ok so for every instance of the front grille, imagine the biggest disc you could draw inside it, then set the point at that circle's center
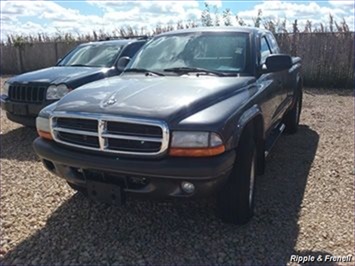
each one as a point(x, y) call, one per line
point(77, 123)
point(79, 139)
point(27, 93)
point(133, 145)
point(110, 133)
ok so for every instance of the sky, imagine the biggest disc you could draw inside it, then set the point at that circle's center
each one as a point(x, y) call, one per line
point(82, 17)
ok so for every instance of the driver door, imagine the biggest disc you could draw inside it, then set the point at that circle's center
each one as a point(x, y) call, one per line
point(271, 86)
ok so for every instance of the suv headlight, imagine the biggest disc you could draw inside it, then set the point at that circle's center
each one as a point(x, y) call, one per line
point(195, 144)
point(57, 92)
point(6, 88)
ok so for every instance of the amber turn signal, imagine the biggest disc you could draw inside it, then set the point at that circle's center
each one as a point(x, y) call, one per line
point(196, 152)
point(44, 134)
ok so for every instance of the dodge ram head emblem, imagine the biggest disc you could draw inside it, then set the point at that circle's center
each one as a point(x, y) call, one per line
point(110, 101)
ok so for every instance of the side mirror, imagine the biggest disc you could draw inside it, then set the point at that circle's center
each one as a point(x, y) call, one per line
point(277, 62)
point(122, 63)
point(60, 59)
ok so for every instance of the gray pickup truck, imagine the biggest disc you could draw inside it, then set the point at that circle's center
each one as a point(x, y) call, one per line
point(194, 114)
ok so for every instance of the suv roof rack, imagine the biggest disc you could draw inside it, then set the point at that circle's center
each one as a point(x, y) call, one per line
point(138, 37)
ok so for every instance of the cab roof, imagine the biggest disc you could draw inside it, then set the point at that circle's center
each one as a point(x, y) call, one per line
point(115, 41)
point(252, 30)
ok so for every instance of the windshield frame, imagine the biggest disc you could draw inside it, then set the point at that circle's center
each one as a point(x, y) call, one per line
point(80, 46)
point(248, 69)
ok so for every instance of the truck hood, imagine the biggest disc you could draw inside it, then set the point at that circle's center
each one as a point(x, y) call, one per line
point(57, 75)
point(167, 98)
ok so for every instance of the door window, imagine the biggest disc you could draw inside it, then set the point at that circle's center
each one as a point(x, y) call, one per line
point(264, 50)
point(273, 44)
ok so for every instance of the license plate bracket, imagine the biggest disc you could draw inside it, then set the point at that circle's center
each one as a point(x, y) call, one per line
point(20, 109)
point(107, 193)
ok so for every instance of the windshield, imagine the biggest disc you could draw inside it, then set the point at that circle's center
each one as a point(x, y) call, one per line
point(213, 51)
point(92, 55)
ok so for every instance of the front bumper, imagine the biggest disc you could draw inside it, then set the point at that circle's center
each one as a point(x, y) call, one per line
point(163, 177)
point(22, 113)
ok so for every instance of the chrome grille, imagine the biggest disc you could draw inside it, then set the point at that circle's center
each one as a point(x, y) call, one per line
point(27, 93)
point(110, 133)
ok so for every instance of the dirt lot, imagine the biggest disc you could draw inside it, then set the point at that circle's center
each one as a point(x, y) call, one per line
point(305, 206)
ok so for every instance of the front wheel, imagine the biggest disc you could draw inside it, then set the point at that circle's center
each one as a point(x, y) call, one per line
point(235, 202)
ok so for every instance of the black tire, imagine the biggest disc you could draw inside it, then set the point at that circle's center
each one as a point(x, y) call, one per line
point(77, 188)
point(292, 118)
point(235, 202)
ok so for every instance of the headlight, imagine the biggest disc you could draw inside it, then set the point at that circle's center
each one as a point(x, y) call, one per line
point(56, 92)
point(181, 139)
point(195, 144)
point(42, 124)
point(6, 88)
point(43, 128)
point(42, 121)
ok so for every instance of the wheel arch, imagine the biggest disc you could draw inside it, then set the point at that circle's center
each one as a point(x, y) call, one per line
point(252, 122)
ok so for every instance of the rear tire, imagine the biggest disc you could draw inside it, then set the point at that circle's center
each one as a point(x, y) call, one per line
point(235, 202)
point(292, 118)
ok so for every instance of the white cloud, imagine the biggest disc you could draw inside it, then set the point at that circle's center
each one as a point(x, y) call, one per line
point(146, 14)
point(52, 18)
point(116, 14)
point(302, 11)
point(342, 4)
point(176, 9)
point(25, 14)
point(216, 3)
point(36, 8)
point(137, 14)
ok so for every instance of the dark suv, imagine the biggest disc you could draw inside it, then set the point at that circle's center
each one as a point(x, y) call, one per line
point(26, 94)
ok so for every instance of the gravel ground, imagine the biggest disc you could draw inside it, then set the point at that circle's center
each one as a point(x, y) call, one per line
point(305, 206)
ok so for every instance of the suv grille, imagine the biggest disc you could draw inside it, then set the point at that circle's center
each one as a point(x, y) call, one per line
point(111, 133)
point(27, 93)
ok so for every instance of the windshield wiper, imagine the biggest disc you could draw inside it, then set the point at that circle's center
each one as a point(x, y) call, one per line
point(79, 65)
point(142, 70)
point(193, 69)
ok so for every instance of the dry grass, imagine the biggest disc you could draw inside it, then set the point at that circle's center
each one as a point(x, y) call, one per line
point(305, 205)
point(327, 58)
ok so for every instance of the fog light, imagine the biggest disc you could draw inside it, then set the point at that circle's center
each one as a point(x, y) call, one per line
point(138, 180)
point(188, 187)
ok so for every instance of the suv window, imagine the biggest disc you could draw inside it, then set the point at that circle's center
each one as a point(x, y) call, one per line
point(92, 55)
point(264, 50)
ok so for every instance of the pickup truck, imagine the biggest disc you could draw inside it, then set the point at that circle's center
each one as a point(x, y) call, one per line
point(194, 114)
point(26, 94)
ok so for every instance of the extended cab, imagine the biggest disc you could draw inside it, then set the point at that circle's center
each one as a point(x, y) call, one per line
point(194, 114)
point(26, 94)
